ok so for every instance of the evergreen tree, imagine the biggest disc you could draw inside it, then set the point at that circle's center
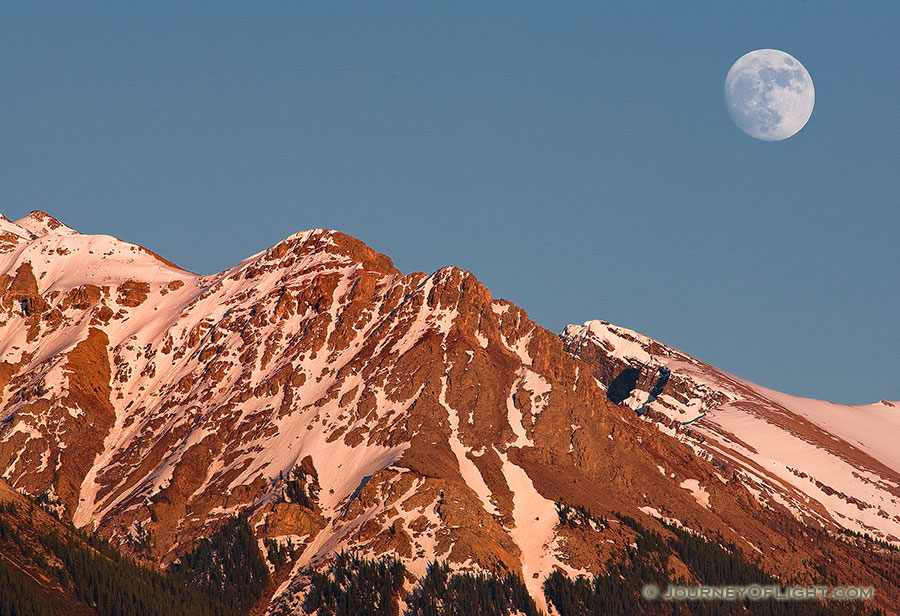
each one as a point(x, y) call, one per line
point(442, 593)
point(356, 587)
point(227, 565)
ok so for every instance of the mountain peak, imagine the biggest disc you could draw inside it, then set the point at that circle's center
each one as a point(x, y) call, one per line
point(329, 242)
point(40, 223)
point(62, 258)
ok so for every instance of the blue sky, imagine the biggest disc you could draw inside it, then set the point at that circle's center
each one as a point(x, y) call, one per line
point(577, 157)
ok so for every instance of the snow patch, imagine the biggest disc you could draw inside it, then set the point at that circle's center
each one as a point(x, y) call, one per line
point(535, 518)
point(700, 494)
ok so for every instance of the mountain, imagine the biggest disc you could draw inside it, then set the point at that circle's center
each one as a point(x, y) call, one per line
point(824, 464)
point(339, 404)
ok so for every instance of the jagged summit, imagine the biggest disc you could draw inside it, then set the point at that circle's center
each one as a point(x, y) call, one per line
point(39, 223)
point(619, 342)
point(330, 245)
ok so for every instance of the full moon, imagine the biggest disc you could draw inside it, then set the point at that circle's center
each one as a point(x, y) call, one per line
point(769, 94)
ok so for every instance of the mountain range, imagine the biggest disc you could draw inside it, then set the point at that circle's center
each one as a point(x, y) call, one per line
point(340, 405)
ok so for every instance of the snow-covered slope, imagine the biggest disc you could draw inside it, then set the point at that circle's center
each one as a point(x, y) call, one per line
point(835, 465)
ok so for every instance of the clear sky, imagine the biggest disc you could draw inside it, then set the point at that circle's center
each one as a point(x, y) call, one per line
point(577, 157)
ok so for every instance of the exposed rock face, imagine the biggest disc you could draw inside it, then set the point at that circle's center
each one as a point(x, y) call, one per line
point(21, 291)
point(339, 403)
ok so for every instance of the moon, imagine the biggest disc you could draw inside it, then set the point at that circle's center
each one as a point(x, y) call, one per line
point(769, 94)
